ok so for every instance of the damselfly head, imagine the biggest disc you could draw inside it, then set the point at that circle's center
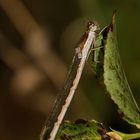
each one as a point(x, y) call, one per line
point(94, 26)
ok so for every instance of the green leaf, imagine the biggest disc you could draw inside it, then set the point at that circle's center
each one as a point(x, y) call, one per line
point(90, 130)
point(82, 130)
point(123, 136)
point(107, 66)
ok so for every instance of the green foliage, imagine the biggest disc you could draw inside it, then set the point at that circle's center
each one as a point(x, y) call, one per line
point(122, 136)
point(107, 66)
point(82, 130)
point(90, 130)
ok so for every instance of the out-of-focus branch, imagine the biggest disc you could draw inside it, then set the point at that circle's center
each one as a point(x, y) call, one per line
point(27, 76)
point(37, 43)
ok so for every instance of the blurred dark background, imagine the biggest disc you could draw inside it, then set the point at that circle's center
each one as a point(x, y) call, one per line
point(37, 41)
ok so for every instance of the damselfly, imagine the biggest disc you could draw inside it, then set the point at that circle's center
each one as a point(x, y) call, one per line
point(65, 96)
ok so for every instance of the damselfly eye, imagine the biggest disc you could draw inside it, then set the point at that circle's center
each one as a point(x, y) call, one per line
point(90, 24)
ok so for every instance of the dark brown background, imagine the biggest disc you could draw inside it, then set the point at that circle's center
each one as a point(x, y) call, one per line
point(37, 40)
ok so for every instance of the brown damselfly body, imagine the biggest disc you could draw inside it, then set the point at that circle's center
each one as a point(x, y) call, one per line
point(65, 96)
